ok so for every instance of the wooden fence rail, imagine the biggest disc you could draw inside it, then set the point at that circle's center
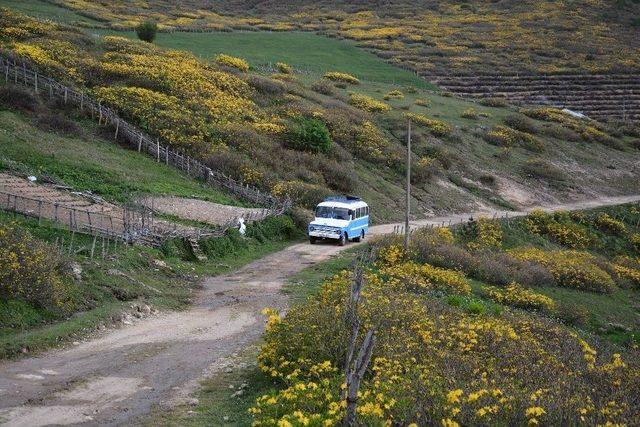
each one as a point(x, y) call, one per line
point(18, 73)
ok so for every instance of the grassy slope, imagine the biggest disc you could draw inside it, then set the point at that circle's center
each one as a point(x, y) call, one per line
point(94, 164)
point(457, 187)
point(471, 157)
point(306, 51)
point(43, 9)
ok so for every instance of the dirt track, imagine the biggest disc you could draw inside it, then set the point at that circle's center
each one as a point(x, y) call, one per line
point(121, 376)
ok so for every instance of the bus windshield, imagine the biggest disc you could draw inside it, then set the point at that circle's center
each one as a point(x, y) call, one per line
point(331, 212)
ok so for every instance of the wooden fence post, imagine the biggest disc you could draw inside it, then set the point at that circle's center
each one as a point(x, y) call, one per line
point(117, 128)
point(99, 114)
point(81, 101)
point(93, 245)
point(158, 149)
point(166, 155)
point(65, 95)
point(140, 143)
point(35, 82)
point(39, 212)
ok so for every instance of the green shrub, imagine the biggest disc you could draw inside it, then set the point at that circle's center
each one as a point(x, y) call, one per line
point(147, 31)
point(308, 134)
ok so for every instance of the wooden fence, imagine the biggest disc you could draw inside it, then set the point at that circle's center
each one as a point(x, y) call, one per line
point(19, 73)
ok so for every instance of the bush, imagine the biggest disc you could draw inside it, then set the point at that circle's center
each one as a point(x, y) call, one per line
point(521, 123)
point(15, 98)
point(342, 77)
point(32, 271)
point(517, 296)
point(487, 179)
point(470, 113)
point(492, 267)
point(504, 136)
point(308, 134)
point(607, 223)
point(436, 127)
point(301, 193)
point(570, 269)
point(233, 62)
point(368, 103)
point(635, 144)
point(493, 102)
point(58, 122)
point(284, 68)
point(541, 169)
point(562, 133)
point(267, 86)
point(424, 169)
point(147, 31)
point(324, 88)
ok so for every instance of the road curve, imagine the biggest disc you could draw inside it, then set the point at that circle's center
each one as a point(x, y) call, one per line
point(122, 375)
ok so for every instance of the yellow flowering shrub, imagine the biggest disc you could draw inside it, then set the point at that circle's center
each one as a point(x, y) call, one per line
point(162, 114)
point(607, 223)
point(557, 227)
point(394, 94)
point(341, 77)
point(570, 268)
point(434, 362)
point(436, 127)
point(517, 296)
point(284, 68)
point(391, 254)
point(368, 103)
point(32, 271)
point(232, 61)
point(627, 273)
point(505, 136)
point(483, 233)
point(425, 277)
point(635, 240)
point(470, 113)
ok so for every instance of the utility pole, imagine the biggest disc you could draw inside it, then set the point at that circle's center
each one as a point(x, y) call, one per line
point(408, 206)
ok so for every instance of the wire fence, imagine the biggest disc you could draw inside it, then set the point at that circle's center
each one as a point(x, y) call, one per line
point(20, 74)
point(137, 223)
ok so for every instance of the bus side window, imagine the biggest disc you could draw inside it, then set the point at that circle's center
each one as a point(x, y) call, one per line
point(358, 212)
point(366, 210)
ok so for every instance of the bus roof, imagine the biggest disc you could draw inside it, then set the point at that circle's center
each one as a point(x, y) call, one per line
point(343, 203)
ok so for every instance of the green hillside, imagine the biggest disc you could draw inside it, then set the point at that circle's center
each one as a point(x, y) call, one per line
point(253, 124)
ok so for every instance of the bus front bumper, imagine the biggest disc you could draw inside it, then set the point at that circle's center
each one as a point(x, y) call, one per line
point(325, 234)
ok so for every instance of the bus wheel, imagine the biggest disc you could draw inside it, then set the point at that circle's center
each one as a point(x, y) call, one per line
point(312, 240)
point(359, 238)
point(343, 239)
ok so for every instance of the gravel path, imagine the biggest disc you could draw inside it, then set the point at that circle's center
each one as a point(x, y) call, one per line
point(121, 376)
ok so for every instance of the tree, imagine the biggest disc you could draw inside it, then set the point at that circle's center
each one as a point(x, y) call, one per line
point(147, 31)
point(309, 134)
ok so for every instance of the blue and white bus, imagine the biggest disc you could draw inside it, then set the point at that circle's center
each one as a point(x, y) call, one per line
point(341, 219)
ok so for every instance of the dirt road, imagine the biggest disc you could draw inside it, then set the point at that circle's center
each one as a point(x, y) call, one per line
point(121, 376)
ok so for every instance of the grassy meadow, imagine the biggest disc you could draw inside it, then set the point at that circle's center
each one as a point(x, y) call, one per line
point(305, 51)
